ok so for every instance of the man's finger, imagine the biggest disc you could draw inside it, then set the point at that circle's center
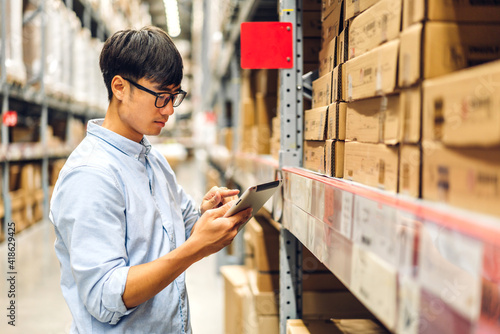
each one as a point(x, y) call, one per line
point(228, 192)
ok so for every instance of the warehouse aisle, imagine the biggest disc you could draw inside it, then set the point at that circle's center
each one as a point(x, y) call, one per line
point(40, 307)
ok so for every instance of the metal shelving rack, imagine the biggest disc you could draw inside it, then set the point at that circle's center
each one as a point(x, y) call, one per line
point(418, 266)
point(11, 152)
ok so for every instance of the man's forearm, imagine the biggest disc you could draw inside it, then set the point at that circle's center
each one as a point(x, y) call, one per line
point(146, 280)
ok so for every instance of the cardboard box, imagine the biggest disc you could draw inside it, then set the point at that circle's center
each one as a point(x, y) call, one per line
point(310, 51)
point(339, 84)
point(336, 121)
point(314, 155)
point(322, 91)
point(248, 112)
point(266, 82)
point(265, 107)
point(315, 123)
point(373, 73)
point(327, 57)
point(311, 24)
point(374, 165)
point(465, 177)
point(334, 158)
point(332, 26)
point(328, 6)
point(453, 11)
point(235, 284)
point(343, 45)
point(410, 166)
point(333, 326)
point(411, 102)
point(436, 48)
point(374, 120)
point(376, 25)
point(354, 7)
point(462, 108)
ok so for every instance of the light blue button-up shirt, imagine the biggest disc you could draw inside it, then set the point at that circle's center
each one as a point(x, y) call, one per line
point(117, 204)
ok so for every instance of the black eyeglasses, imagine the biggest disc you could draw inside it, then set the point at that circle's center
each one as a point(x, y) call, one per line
point(162, 99)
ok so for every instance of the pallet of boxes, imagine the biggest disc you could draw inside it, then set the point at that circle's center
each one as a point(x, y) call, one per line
point(252, 290)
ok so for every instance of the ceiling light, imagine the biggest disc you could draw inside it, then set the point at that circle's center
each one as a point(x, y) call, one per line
point(172, 14)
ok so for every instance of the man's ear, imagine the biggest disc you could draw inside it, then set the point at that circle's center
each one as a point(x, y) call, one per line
point(118, 86)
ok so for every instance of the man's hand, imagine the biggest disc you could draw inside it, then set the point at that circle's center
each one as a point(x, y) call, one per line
point(214, 231)
point(217, 197)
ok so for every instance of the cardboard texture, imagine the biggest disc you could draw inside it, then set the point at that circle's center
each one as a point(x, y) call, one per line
point(331, 26)
point(457, 11)
point(462, 109)
point(334, 158)
point(322, 91)
point(266, 82)
point(374, 120)
point(336, 121)
point(342, 45)
point(464, 177)
point(354, 7)
point(327, 57)
point(328, 6)
point(339, 84)
point(235, 284)
point(333, 326)
point(411, 106)
point(314, 156)
point(410, 163)
point(436, 48)
point(311, 24)
point(373, 73)
point(374, 165)
point(315, 122)
point(265, 109)
point(376, 25)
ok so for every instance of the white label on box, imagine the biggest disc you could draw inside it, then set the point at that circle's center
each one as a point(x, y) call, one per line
point(450, 266)
point(301, 192)
point(409, 306)
point(375, 284)
point(318, 199)
point(346, 214)
point(405, 235)
point(375, 228)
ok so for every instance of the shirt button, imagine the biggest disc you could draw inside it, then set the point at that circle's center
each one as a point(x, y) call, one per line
point(136, 156)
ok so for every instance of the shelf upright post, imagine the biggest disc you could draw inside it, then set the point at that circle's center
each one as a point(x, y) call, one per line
point(291, 119)
point(44, 120)
point(5, 108)
point(235, 99)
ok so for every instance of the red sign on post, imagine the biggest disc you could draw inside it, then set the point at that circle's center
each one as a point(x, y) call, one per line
point(10, 118)
point(266, 45)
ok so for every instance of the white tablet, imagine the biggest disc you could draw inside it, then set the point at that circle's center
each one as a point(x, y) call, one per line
point(254, 197)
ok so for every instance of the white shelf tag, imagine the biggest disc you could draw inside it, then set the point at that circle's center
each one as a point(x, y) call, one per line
point(450, 266)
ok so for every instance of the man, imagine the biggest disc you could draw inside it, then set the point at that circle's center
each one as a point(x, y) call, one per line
point(126, 231)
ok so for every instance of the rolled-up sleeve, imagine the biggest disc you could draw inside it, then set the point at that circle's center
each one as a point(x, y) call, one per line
point(91, 220)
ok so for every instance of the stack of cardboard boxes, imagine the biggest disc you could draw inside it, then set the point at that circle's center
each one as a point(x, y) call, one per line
point(252, 290)
point(389, 76)
point(258, 106)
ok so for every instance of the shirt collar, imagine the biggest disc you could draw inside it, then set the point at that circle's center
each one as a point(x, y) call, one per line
point(129, 147)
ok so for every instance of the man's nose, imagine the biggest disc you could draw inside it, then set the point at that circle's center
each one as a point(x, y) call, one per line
point(168, 109)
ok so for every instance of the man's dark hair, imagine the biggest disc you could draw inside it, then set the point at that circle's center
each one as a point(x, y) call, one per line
point(146, 53)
